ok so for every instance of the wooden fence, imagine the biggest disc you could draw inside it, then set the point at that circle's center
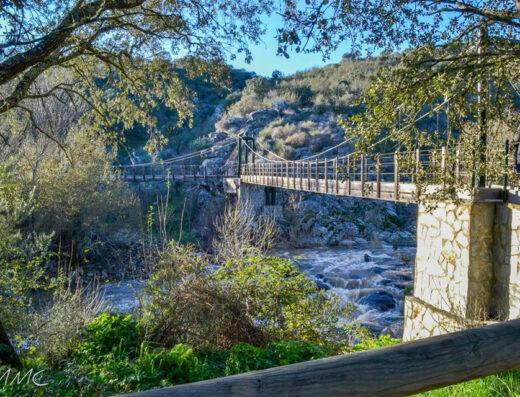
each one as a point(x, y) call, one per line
point(399, 370)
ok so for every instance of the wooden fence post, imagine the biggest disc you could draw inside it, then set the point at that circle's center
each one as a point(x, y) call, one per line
point(294, 174)
point(443, 165)
point(317, 175)
point(457, 165)
point(336, 176)
point(349, 185)
point(378, 177)
point(326, 176)
point(396, 176)
point(362, 174)
point(308, 175)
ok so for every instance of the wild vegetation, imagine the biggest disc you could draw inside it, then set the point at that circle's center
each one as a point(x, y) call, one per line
point(88, 84)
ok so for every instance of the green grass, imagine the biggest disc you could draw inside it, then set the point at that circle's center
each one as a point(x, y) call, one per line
point(504, 384)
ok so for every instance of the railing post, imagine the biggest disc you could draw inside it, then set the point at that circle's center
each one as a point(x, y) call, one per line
point(417, 164)
point(443, 165)
point(144, 173)
point(287, 173)
point(294, 174)
point(239, 156)
point(336, 176)
point(349, 179)
point(362, 174)
point(396, 176)
point(308, 175)
point(317, 175)
point(300, 174)
point(506, 163)
point(378, 177)
point(326, 165)
point(457, 165)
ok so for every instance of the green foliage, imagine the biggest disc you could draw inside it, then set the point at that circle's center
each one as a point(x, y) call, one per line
point(506, 384)
point(200, 143)
point(61, 185)
point(183, 304)
point(369, 343)
point(244, 357)
point(253, 97)
point(21, 253)
point(283, 301)
point(114, 334)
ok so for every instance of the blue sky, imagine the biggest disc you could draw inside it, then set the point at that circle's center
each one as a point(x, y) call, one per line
point(265, 59)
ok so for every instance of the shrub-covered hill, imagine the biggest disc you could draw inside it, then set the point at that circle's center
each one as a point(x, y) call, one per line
point(296, 116)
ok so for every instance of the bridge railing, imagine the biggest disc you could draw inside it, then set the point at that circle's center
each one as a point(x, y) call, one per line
point(332, 175)
point(163, 171)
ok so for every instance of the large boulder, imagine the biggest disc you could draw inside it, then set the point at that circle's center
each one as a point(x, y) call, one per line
point(380, 300)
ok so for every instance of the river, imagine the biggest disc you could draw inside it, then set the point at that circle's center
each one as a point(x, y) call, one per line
point(374, 279)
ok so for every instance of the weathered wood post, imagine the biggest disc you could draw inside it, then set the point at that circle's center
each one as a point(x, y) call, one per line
point(308, 175)
point(506, 161)
point(417, 164)
point(287, 174)
point(378, 177)
point(396, 176)
point(457, 165)
point(336, 175)
point(294, 174)
point(317, 175)
point(326, 165)
point(443, 165)
point(349, 179)
point(362, 174)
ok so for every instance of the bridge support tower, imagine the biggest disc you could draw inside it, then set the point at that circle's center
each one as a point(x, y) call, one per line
point(467, 269)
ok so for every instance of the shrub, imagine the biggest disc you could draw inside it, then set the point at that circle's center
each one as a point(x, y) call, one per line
point(61, 326)
point(182, 304)
point(300, 139)
point(109, 333)
point(283, 301)
point(200, 143)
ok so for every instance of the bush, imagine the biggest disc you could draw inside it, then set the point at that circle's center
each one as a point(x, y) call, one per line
point(300, 139)
point(281, 300)
point(61, 326)
point(61, 186)
point(200, 143)
point(183, 304)
point(109, 334)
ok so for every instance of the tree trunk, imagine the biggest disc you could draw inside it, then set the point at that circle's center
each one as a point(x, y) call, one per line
point(8, 355)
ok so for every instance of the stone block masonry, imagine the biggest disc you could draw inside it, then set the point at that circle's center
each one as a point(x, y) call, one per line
point(467, 267)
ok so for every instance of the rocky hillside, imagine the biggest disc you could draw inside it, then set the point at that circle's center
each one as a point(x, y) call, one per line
point(295, 117)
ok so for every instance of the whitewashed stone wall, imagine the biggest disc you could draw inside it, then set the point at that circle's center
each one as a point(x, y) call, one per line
point(506, 303)
point(467, 268)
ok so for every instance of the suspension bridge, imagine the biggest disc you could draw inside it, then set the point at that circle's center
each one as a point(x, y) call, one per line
point(466, 270)
point(381, 176)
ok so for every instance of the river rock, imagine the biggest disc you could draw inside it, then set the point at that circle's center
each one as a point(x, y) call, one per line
point(347, 243)
point(394, 330)
point(322, 285)
point(381, 300)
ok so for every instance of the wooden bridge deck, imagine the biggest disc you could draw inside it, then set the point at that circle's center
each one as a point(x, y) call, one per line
point(403, 192)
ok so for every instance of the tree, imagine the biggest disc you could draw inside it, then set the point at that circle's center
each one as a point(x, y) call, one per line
point(460, 59)
point(119, 53)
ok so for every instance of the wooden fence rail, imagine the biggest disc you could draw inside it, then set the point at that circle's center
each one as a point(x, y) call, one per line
point(398, 370)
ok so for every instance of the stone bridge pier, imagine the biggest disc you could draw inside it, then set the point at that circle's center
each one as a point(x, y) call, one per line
point(467, 269)
point(264, 200)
